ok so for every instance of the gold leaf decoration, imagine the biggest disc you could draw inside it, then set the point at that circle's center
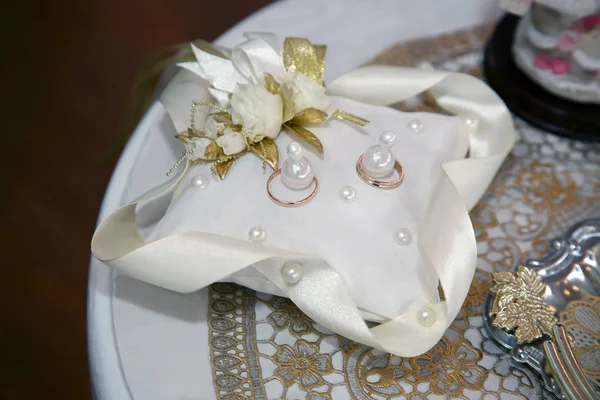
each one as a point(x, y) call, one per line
point(320, 51)
point(267, 150)
point(309, 116)
point(271, 84)
point(229, 125)
point(234, 127)
point(285, 92)
point(504, 278)
point(289, 107)
point(197, 161)
point(300, 55)
point(213, 151)
point(519, 305)
point(307, 136)
point(190, 134)
point(532, 281)
point(227, 157)
point(222, 167)
point(354, 119)
point(222, 117)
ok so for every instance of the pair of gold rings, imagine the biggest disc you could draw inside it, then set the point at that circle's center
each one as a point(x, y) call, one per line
point(376, 163)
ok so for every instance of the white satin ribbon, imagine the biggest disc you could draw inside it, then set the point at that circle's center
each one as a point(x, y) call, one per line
point(249, 62)
point(462, 95)
point(190, 261)
point(255, 57)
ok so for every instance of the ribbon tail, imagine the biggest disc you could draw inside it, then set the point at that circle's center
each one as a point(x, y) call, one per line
point(255, 57)
point(219, 71)
point(354, 119)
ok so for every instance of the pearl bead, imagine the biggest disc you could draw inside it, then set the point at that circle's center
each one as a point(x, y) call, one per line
point(403, 237)
point(426, 316)
point(294, 150)
point(257, 234)
point(387, 139)
point(471, 122)
point(291, 273)
point(415, 125)
point(199, 182)
point(347, 194)
point(378, 161)
point(296, 172)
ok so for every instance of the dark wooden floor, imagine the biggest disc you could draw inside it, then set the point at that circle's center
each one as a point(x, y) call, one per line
point(67, 72)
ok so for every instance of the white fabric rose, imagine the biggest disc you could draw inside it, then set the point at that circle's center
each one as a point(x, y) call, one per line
point(211, 127)
point(232, 142)
point(257, 110)
point(309, 93)
point(199, 147)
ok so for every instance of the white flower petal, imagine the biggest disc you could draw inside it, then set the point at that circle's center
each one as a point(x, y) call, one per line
point(307, 92)
point(211, 127)
point(257, 110)
point(232, 142)
point(199, 145)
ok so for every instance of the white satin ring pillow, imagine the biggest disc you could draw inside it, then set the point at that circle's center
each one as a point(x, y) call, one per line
point(352, 267)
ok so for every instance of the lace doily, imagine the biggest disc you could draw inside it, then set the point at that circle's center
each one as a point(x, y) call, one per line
point(263, 347)
point(582, 321)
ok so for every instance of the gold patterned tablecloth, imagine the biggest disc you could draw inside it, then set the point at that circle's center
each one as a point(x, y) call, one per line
point(263, 347)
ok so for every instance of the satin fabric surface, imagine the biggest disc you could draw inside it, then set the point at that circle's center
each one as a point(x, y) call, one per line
point(445, 235)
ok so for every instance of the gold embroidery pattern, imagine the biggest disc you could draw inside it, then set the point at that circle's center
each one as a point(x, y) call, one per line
point(370, 373)
point(477, 292)
point(302, 364)
point(230, 311)
point(546, 185)
point(582, 320)
point(286, 315)
point(450, 368)
point(312, 395)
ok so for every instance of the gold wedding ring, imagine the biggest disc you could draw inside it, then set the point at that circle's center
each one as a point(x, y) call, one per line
point(286, 203)
point(376, 182)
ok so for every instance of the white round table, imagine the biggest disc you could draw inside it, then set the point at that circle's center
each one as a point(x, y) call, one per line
point(130, 365)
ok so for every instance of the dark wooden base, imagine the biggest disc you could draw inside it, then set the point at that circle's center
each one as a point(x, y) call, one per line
point(530, 101)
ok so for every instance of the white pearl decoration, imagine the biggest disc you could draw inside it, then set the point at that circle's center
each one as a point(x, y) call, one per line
point(257, 234)
point(472, 122)
point(199, 182)
point(403, 237)
point(291, 273)
point(296, 172)
point(378, 161)
point(347, 194)
point(426, 316)
point(415, 125)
